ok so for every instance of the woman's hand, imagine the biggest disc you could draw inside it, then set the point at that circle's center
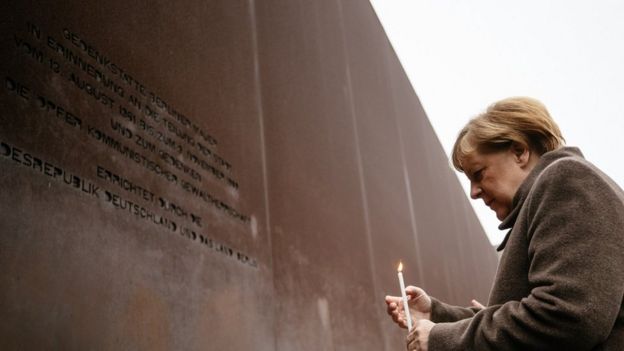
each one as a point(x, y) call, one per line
point(418, 338)
point(477, 304)
point(419, 304)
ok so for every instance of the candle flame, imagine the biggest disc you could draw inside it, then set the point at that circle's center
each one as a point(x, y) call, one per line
point(400, 269)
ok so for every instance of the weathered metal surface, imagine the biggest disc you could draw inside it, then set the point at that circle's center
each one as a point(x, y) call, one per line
point(231, 175)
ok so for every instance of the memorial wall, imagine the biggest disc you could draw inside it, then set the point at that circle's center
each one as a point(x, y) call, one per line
point(218, 175)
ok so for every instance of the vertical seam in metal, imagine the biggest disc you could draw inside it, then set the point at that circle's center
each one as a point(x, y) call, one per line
point(408, 184)
point(369, 240)
point(260, 110)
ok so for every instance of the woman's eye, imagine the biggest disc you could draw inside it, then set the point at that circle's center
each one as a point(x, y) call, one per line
point(477, 175)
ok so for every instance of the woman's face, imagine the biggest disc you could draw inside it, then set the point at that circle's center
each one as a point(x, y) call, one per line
point(495, 177)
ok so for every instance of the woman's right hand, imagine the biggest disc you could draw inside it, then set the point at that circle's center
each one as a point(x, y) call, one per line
point(419, 304)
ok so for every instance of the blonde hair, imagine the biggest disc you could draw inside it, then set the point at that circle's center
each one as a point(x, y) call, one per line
point(522, 120)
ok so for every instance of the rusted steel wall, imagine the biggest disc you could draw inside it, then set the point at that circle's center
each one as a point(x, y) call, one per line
point(233, 175)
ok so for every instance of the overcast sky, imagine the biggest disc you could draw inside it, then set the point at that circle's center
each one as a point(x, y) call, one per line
point(463, 55)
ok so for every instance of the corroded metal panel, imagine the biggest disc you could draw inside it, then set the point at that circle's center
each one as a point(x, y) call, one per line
point(133, 201)
point(233, 175)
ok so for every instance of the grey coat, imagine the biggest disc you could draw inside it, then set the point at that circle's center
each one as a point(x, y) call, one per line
point(560, 281)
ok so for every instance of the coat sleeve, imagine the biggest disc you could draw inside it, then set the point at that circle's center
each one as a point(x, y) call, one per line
point(442, 312)
point(575, 236)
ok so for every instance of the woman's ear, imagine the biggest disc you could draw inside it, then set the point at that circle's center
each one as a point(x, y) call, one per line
point(521, 153)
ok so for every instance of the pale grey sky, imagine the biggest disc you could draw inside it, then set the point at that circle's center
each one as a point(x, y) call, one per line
point(463, 55)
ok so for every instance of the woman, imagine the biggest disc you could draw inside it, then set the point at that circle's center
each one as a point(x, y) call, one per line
point(560, 281)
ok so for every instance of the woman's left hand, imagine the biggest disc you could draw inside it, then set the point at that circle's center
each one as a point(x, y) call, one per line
point(418, 338)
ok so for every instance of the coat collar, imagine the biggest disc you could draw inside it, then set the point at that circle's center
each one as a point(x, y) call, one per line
point(524, 189)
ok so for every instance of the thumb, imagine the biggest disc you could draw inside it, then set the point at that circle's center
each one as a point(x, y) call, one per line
point(414, 291)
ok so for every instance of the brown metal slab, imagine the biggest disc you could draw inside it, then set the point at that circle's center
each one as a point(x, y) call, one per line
point(234, 175)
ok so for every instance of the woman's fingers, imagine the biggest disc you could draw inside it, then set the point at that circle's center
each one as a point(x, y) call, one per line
point(395, 310)
point(477, 304)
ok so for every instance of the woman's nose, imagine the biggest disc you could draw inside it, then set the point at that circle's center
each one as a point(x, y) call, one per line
point(475, 191)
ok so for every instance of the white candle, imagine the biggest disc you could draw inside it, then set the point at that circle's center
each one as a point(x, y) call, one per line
point(404, 297)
